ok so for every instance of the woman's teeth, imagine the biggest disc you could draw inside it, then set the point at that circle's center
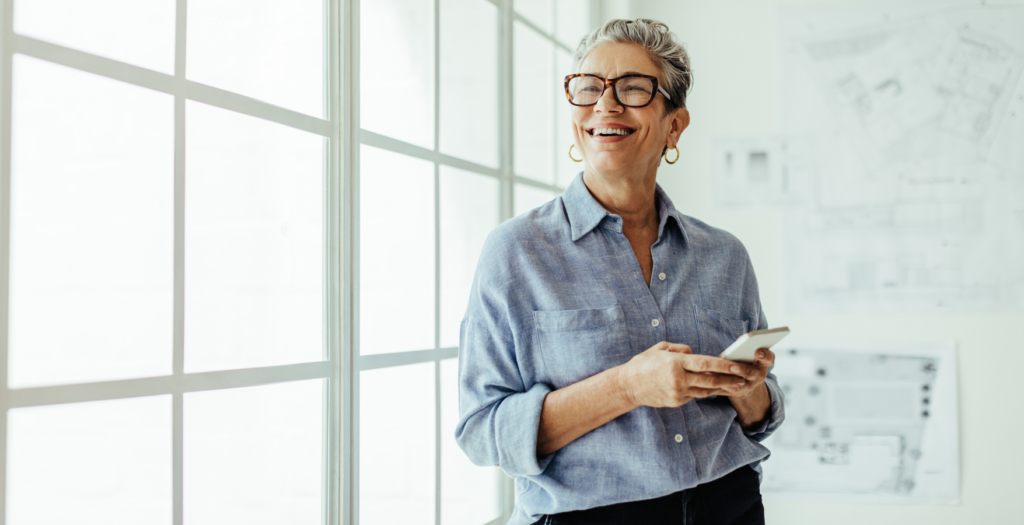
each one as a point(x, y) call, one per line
point(612, 131)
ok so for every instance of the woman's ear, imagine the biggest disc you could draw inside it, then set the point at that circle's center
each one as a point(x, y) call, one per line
point(680, 121)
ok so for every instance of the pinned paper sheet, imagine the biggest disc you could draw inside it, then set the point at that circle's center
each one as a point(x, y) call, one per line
point(866, 423)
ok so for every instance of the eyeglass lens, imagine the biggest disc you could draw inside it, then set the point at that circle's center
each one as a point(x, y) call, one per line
point(631, 91)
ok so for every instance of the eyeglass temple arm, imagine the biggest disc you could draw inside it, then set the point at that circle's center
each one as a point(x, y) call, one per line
point(663, 92)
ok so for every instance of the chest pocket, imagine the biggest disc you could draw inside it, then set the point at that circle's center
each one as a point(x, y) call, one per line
point(717, 331)
point(576, 344)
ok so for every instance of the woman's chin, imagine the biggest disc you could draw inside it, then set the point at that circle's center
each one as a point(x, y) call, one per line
point(613, 162)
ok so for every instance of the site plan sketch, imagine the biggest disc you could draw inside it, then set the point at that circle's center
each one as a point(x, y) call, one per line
point(899, 162)
point(866, 423)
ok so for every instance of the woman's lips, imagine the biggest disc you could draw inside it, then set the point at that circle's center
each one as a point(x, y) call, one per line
point(607, 139)
point(607, 133)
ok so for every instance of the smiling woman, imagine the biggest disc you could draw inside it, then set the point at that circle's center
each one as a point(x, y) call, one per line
point(587, 354)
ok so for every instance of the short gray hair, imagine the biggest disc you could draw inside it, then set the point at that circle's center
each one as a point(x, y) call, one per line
point(670, 56)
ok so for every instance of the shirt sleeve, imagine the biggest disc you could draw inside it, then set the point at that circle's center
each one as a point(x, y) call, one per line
point(777, 410)
point(498, 415)
point(499, 412)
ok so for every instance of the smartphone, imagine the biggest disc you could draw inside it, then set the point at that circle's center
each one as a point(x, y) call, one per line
point(744, 349)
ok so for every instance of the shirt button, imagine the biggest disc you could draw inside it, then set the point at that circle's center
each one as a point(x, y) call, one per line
point(679, 438)
point(662, 276)
point(655, 322)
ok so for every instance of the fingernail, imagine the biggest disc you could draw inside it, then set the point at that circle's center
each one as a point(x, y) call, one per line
point(741, 383)
point(760, 353)
point(734, 368)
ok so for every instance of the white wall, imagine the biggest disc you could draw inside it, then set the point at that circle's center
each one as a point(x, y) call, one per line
point(732, 46)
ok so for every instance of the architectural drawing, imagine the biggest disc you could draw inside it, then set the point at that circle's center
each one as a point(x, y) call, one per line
point(907, 122)
point(867, 423)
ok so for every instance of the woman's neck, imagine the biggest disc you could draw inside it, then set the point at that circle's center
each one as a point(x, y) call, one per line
point(633, 199)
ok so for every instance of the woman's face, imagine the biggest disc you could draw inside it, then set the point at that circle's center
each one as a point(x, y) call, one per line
point(649, 128)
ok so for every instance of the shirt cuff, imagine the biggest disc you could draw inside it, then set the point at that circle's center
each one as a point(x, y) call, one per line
point(776, 412)
point(516, 425)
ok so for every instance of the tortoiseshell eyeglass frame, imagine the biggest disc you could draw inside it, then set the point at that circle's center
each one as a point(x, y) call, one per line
point(611, 82)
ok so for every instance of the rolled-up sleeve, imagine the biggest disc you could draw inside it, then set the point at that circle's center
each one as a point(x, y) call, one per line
point(776, 412)
point(498, 416)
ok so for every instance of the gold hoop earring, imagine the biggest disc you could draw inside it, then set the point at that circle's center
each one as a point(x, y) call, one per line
point(677, 155)
point(574, 159)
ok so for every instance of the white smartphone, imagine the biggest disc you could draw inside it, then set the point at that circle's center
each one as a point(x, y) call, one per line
point(744, 349)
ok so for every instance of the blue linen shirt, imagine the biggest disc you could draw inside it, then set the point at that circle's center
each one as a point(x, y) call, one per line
point(559, 296)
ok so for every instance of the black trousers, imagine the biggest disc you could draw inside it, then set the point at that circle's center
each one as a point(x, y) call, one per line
point(734, 499)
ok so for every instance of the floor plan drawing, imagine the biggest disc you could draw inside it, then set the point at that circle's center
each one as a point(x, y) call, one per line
point(898, 165)
point(866, 422)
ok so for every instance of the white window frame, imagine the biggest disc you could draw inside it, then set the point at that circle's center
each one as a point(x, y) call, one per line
point(178, 383)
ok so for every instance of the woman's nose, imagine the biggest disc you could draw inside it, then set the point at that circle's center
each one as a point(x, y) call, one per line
point(607, 102)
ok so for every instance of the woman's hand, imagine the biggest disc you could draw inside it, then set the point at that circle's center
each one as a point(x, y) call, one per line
point(755, 373)
point(752, 401)
point(669, 375)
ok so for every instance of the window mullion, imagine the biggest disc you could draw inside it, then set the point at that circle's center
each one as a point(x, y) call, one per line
point(6, 48)
point(352, 129)
point(506, 137)
point(178, 351)
point(554, 77)
point(437, 262)
point(338, 282)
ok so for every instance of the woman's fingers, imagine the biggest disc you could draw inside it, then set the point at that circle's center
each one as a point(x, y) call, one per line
point(750, 371)
point(706, 363)
point(676, 347)
point(716, 381)
point(765, 358)
point(705, 392)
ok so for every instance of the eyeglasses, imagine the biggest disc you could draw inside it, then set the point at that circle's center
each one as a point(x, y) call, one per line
point(634, 91)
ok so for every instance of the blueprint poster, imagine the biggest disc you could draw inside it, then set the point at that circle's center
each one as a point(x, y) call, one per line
point(899, 166)
point(871, 423)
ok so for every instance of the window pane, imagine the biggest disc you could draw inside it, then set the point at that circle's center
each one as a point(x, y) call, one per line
point(396, 252)
point(102, 463)
point(469, 211)
point(573, 21)
point(469, 80)
point(536, 11)
point(253, 455)
point(139, 33)
point(92, 218)
point(533, 104)
point(253, 242)
point(567, 169)
point(271, 50)
point(397, 69)
point(469, 494)
point(527, 198)
point(396, 445)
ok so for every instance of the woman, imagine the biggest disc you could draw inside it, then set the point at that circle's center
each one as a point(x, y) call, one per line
point(587, 366)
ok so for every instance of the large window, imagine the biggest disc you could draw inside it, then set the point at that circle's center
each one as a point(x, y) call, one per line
point(237, 238)
point(168, 180)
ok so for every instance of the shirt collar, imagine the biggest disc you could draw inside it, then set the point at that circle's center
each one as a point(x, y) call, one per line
point(585, 213)
point(668, 210)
